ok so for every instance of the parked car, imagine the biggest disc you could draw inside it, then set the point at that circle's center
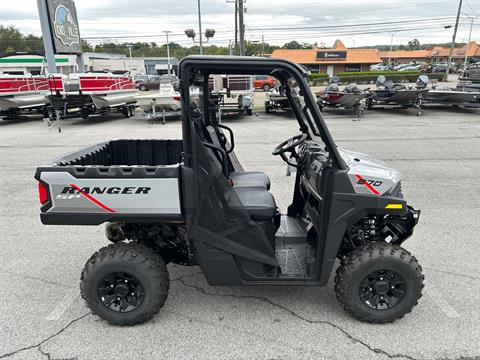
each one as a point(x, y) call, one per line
point(381, 67)
point(147, 82)
point(264, 82)
point(410, 68)
point(470, 79)
point(439, 68)
point(152, 82)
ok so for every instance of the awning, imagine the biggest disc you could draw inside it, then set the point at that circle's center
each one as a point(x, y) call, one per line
point(161, 66)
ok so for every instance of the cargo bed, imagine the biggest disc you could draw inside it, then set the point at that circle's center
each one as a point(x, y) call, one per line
point(117, 180)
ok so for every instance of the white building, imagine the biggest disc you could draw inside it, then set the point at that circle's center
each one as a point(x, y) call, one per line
point(36, 65)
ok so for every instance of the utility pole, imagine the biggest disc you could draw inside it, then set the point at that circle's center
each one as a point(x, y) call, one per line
point(200, 27)
point(241, 27)
point(449, 63)
point(46, 35)
point(468, 43)
point(263, 46)
point(130, 50)
point(166, 32)
point(236, 26)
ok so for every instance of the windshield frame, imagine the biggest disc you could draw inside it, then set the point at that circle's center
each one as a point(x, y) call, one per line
point(280, 69)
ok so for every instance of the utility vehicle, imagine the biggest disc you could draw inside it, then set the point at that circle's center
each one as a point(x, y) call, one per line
point(190, 202)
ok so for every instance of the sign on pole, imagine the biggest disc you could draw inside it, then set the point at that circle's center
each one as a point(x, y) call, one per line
point(64, 26)
point(60, 30)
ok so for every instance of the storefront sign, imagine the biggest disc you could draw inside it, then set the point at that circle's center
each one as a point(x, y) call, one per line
point(64, 26)
point(331, 55)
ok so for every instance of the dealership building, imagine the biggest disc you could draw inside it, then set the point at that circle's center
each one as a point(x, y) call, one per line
point(94, 62)
point(434, 54)
point(36, 65)
point(341, 59)
point(331, 61)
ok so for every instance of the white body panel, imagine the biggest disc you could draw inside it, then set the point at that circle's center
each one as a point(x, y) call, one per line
point(162, 196)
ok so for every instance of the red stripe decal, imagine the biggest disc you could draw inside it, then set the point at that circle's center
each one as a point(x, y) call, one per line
point(91, 198)
point(370, 187)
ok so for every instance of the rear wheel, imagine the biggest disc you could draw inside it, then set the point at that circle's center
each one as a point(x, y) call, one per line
point(125, 283)
point(267, 107)
point(266, 87)
point(379, 283)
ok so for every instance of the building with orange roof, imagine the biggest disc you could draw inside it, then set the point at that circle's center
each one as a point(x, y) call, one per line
point(472, 50)
point(331, 61)
point(434, 55)
point(406, 56)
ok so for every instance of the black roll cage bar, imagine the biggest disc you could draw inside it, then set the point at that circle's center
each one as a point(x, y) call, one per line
point(237, 65)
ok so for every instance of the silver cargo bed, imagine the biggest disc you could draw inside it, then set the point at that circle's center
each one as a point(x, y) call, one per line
point(118, 180)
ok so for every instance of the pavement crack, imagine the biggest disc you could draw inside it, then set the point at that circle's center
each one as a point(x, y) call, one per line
point(50, 282)
point(39, 344)
point(298, 316)
point(180, 278)
point(49, 356)
point(453, 273)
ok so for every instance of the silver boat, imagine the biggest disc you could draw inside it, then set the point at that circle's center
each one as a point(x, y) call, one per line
point(108, 101)
point(22, 102)
point(453, 97)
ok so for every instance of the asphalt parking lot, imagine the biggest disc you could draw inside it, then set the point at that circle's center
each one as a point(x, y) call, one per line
point(43, 316)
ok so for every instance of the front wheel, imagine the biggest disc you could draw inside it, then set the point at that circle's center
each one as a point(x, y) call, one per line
point(266, 87)
point(125, 283)
point(379, 283)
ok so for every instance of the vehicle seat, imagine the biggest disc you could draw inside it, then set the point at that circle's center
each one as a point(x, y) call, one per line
point(250, 179)
point(257, 201)
point(241, 178)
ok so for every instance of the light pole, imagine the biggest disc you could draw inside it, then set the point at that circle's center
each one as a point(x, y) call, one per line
point(130, 50)
point(390, 52)
point(209, 33)
point(200, 27)
point(166, 32)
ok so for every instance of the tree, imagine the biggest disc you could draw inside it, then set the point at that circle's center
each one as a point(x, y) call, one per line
point(10, 38)
point(292, 45)
point(296, 45)
point(414, 44)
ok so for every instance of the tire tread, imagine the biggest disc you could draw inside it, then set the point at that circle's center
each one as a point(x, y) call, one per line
point(129, 252)
point(350, 263)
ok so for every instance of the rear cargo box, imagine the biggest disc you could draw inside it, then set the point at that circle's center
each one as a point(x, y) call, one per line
point(118, 180)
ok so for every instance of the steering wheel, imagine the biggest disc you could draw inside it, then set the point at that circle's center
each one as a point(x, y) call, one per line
point(289, 145)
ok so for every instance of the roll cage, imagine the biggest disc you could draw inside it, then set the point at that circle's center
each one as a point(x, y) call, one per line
point(309, 117)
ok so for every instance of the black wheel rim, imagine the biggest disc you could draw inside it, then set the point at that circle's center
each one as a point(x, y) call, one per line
point(121, 292)
point(382, 289)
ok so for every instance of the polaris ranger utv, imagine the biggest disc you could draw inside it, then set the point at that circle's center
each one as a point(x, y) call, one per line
point(190, 202)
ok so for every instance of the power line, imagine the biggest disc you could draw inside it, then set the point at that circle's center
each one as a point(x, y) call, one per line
point(354, 25)
point(420, 21)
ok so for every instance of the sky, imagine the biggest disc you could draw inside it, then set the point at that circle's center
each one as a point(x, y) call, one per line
point(355, 22)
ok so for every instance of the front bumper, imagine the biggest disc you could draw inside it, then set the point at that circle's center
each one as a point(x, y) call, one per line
point(400, 228)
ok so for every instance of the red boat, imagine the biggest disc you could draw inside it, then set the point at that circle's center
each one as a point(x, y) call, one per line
point(21, 93)
point(87, 94)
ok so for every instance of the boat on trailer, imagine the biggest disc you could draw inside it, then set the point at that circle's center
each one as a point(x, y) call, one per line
point(20, 94)
point(162, 104)
point(235, 93)
point(277, 99)
point(350, 98)
point(390, 93)
point(82, 95)
point(453, 97)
